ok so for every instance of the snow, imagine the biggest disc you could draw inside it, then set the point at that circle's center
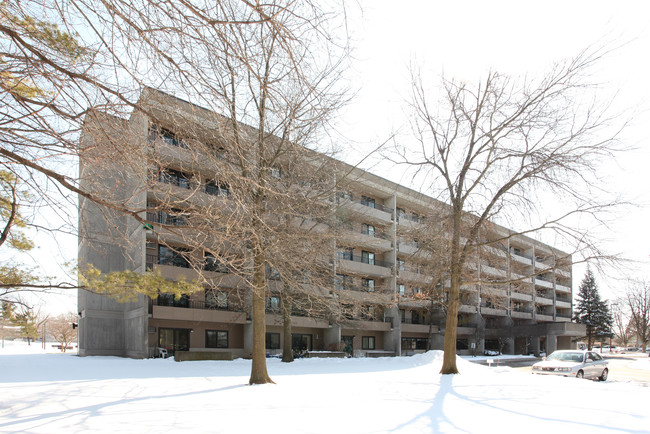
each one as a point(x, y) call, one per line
point(48, 392)
point(642, 363)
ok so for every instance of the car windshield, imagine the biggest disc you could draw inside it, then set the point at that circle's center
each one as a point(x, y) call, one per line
point(566, 357)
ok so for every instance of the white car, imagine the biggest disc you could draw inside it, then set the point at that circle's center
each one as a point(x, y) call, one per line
point(573, 363)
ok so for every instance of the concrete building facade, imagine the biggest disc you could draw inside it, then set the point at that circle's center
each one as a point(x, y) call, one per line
point(375, 250)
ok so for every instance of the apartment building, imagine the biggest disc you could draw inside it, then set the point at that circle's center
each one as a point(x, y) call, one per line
point(376, 261)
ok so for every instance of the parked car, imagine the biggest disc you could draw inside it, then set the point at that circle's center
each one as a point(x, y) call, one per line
point(573, 363)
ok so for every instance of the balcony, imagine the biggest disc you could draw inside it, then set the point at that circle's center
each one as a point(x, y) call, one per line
point(543, 283)
point(563, 303)
point(521, 314)
point(521, 259)
point(357, 265)
point(298, 321)
point(485, 310)
point(373, 241)
point(418, 328)
point(521, 296)
point(371, 325)
point(194, 310)
point(544, 317)
point(540, 299)
point(370, 210)
point(562, 288)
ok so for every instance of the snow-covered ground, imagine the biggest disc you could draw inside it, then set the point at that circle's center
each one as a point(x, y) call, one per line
point(44, 392)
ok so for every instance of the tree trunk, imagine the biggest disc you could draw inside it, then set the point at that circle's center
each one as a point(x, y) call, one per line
point(259, 374)
point(451, 324)
point(287, 351)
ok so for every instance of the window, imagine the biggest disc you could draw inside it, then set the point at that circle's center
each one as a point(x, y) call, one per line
point(368, 284)
point(414, 344)
point(216, 339)
point(272, 273)
point(273, 304)
point(417, 291)
point(401, 264)
point(216, 299)
point(368, 313)
point(276, 172)
point(462, 344)
point(367, 342)
point(175, 217)
point(367, 229)
point(401, 214)
point(174, 177)
point(175, 257)
point(166, 135)
point(346, 254)
point(273, 341)
point(401, 289)
point(342, 281)
point(215, 264)
point(368, 257)
point(173, 301)
point(301, 342)
point(343, 196)
point(402, 314)
point(217, 188)
point(368, 201)
point(415, 317)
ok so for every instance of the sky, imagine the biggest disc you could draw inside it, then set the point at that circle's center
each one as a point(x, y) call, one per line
point(464, 40)
point(51, 393)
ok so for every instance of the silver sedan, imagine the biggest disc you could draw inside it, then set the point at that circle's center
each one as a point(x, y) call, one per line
point(572, 363)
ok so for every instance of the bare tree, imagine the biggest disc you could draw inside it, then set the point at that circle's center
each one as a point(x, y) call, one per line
point(260, 65)
point(63, 329)
point(638, 302)
point(622, 324)
point(490, 152)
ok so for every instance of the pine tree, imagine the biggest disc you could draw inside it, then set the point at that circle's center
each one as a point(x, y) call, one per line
point(591, 310)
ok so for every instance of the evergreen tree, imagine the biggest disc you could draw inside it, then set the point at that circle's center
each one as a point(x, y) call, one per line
point(591, 310)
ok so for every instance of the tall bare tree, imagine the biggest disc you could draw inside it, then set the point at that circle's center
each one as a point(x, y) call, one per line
point(621, 321)
point(494, 151)
point(638, 301)
point(267, 67)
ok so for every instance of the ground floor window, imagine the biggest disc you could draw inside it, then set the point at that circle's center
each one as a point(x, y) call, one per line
point(273, 341)
point(492, 345)
point(174, 339)
point(414, 343)
point(216, 339)
point(301, 342)
point(462, 344)
point(367, 342)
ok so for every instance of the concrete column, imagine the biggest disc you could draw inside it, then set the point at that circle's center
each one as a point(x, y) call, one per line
point(332, 335)
point(393, 338)
point(438, 341)
point(534, 345)
point(551, 343)
point(509, 347)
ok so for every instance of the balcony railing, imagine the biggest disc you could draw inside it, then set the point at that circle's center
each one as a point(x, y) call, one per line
point(357, 258)
point(376, 234)
point(564, 315)
point(416, 321)
point(186, 303)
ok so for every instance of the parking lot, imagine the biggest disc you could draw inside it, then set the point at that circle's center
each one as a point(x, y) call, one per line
point(620, 367)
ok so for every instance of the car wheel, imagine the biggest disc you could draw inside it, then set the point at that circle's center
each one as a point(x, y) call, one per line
point(580, 374)
point(603, 376)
